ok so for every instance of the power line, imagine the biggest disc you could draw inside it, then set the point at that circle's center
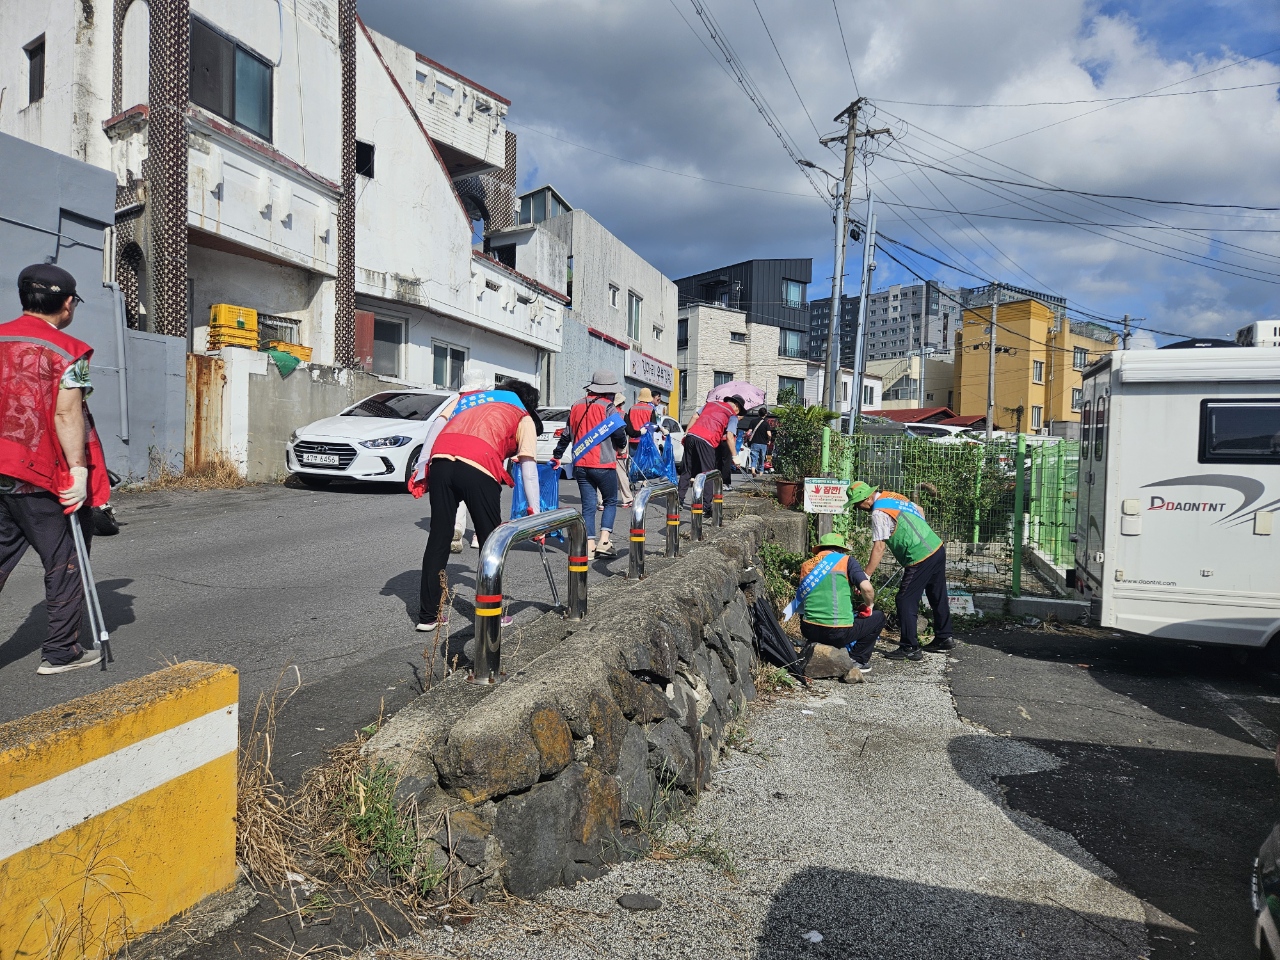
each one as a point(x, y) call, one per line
point(1067, 223)
point(1068, 103)
point(769, 33)
point(845, 44)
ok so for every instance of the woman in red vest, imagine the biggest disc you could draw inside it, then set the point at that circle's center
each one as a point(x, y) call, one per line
point(465, 457)
point(707, 431)
point(51, 463)
point(597, 432)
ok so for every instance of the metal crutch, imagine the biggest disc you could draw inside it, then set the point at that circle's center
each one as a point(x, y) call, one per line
point(97, 624)
point(546, 565)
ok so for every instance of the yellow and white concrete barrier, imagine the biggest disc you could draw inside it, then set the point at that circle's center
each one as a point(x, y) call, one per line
point(117, 812)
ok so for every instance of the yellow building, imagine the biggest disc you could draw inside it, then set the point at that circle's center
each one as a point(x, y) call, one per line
point(1039, 361)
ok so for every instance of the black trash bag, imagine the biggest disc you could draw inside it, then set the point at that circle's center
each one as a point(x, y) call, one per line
point(772, 645)
point(105, 523)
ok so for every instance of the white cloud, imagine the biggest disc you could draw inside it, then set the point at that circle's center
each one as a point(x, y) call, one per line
point(632, 80)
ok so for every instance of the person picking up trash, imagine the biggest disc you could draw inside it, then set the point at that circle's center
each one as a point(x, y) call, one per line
point(706, 432)
point(51, 462)
point(829, 580)
point(898, 522)
point(597, 432)
point(463, 462)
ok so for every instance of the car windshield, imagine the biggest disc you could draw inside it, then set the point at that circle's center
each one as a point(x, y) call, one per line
point(397, 406)
point(553, 414)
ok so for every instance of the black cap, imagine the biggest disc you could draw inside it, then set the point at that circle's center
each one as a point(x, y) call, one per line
point(47, 277)
point(737, 401)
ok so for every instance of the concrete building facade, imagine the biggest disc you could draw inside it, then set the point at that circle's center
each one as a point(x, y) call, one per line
point(1040, 359)
point(721, 344)
point(622, 310)
point(916, 381)
point(911, 317)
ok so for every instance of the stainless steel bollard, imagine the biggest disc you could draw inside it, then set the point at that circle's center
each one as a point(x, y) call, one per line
point(698, 510)
point(493, 556)
point(643, 494)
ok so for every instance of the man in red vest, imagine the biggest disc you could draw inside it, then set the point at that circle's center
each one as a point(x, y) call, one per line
point(51, 463)
point(707, 431)
point(463, 461)
point(642, 414)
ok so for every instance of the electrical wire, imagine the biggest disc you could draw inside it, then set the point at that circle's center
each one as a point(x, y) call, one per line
point(845, 43)
point(769, 33)
point(1068, 103)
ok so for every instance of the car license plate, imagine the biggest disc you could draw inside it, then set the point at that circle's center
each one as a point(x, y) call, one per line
point(320, 459)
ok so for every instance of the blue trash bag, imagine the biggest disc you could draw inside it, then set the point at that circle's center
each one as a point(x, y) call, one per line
point(669, 460)
point(646, 462)
point(548, 488)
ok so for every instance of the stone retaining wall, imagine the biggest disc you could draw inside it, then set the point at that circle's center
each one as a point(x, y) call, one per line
point(552, 773)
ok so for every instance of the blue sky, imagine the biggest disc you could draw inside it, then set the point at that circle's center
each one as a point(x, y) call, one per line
point(593, 80)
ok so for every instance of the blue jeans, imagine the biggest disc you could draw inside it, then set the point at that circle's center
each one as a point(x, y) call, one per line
point(759, 452)
point(593, 480)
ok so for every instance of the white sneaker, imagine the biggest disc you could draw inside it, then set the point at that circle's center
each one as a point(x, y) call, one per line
point(605, 549)
point(455, 545)
point(433, 625)
point(475, 542)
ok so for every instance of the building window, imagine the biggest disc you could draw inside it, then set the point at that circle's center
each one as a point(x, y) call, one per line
point(35, 69)
point(684, 386)
point(1037, 416)
point(613, 296)
point(284, 329)
point(682, 334)
point(657, 333)
point(447, 362)
point(633, 314)
point(868, 396)
point(388, 346)
point(1077, 398)
point(229, 80)
point(1037, 371)
point(720, 377)
point(790, 344)
point(793, 293)
point(364, 159)
point(443, 89)
point(737, 337)
point(1244, 431)
point(792, 383)
point(1079, 358)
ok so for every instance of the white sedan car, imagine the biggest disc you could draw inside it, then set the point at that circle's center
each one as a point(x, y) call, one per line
point(377, 439)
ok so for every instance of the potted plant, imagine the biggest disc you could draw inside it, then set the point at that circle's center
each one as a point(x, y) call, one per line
point(797, 444)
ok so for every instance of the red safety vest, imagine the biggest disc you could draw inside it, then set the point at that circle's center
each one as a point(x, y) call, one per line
point(585, 415)
point(485, 435)
point(33, 357)
point(638, 423)
point(712, 422)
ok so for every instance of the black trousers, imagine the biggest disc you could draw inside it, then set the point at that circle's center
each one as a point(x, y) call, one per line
point(450, 482)
point(699, 457)
point(36, 520)
point(927, 578)
point(859, 639)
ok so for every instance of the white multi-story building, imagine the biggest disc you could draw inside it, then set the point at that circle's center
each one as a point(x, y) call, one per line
point(911, 318)
point(622, 309)
point(285, 158)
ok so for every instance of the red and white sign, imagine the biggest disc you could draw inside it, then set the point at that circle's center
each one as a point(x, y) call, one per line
point(825, 496)
point(642, 367)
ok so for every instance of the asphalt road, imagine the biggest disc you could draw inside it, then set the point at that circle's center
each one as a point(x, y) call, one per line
point(1166, 772)
point(267, 577)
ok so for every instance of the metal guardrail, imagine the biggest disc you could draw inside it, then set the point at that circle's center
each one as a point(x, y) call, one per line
point(493, 556)
point(700, 500)
point(643, 494)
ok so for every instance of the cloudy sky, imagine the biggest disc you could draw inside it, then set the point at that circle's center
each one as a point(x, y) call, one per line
point(623, 106)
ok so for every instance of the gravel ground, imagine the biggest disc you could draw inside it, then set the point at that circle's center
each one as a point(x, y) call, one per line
point(866, 813)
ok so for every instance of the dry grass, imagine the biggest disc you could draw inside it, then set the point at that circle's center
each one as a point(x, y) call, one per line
point(265, 821)
point(220, 474)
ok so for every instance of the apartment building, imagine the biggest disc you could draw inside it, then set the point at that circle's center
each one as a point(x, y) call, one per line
point(1040, 358)
point(621, 312)
point(912, 317)
point(819, 328)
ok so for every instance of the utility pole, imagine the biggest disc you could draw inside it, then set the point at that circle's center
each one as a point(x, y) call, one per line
point(850, 116)
point(991, 362)
point(1124, 342)
point(850, 137)
point(864, 294)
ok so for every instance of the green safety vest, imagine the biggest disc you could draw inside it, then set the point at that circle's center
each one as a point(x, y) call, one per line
point(830, 604)
point(913, 540)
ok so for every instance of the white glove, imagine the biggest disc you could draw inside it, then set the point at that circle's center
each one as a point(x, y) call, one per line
point(532, 495)
point(75, 495)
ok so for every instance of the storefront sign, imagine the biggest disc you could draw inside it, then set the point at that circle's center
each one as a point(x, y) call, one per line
point(825, 495)
point(648, 370)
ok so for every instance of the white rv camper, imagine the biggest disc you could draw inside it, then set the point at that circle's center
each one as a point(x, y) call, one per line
point(1179, 490)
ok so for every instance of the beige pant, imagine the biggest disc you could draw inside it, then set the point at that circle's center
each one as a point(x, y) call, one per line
point(624, 482)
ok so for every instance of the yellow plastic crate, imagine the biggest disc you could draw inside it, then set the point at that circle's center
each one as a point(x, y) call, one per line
point(293, 349)
point(230, 317)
